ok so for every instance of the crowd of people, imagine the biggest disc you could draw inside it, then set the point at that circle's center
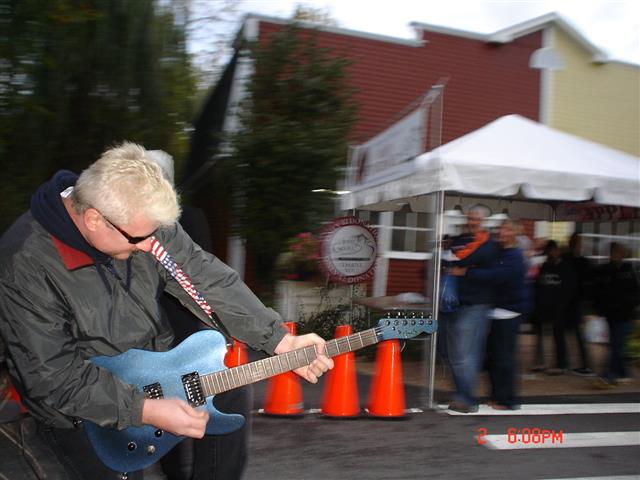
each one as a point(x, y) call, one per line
point(503, 279)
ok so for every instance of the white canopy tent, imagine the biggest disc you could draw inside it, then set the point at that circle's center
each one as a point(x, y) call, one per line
point(511, 157)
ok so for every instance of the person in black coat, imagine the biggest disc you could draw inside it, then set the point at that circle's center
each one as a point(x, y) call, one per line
point(553, 288)
point(616, 296)
point(578, 268)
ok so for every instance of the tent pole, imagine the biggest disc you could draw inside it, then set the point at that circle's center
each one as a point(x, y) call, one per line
point(437, 260)
point(436, 120)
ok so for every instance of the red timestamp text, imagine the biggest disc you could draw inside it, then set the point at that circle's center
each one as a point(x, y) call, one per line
point(526, 436)
point(534, 435)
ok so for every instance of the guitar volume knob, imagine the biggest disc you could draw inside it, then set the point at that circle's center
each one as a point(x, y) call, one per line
point(131, 446)
point(158, 433)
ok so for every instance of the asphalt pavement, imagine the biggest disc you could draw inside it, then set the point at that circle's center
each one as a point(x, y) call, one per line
point(433, 444)
point(566, 429)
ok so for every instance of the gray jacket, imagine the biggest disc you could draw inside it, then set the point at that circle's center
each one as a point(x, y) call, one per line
point(56, 312)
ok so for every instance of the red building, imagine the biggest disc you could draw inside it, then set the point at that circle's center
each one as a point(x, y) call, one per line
point(485, 77)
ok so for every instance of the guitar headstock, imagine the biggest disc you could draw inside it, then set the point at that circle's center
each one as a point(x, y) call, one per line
point(403, 324)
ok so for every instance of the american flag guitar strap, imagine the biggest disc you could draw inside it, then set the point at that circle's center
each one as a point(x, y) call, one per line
point(167, 261)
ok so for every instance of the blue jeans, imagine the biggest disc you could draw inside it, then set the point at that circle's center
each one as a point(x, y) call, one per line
point(467, 332)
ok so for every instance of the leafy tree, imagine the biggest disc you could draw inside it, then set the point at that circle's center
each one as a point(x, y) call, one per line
point(293, 139)
point(77, 76)
point(210, 28)
point(306, 13)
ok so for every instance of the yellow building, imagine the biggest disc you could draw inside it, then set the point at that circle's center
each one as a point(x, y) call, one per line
point(596, 100)
point(583, 92)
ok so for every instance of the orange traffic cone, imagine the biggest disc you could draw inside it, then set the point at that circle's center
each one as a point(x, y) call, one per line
point(236, 354)
point(386, 396)
point(340, 398)
point(284, 392)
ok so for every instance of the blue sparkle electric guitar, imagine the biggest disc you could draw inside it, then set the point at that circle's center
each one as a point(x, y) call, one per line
point(194, 371)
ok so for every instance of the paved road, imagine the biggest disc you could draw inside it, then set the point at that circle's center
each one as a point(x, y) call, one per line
point(430, 444)
point(434, 444)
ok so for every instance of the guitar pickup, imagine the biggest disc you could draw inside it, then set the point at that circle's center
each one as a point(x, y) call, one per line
point(153, 391)
point(193, 389)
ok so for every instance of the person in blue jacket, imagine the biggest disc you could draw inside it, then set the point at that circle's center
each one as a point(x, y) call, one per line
point(511, 302)
point(467, 328)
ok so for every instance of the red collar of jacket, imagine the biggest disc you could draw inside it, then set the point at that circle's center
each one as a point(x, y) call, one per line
point(71, 257)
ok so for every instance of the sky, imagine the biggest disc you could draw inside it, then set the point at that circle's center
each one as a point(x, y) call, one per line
point(611, 25)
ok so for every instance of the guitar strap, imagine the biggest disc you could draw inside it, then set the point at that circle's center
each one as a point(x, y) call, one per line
point(167, 261)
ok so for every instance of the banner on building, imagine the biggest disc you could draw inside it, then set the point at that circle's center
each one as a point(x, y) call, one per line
point(375, 159)
point(592, 212)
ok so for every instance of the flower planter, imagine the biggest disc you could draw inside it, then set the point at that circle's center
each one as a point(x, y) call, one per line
point(300, 301)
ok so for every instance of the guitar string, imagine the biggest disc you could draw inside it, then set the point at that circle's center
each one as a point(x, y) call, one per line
point(241, 370)
point(371, 335)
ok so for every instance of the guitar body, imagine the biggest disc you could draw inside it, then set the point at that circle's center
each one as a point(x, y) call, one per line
point(138, 447)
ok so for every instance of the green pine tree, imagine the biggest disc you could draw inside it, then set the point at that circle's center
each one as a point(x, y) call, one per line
point(80, 76)
point(294, 138)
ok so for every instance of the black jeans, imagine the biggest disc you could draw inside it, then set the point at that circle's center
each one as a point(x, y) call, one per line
point(221, 457)
point(554, 314)
point(618, 332)
point(503, 360)
point(574, 322)
point(76, 455)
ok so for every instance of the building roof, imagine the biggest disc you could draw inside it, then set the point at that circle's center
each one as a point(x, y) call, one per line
point(504, 35)
point(328, 29)
point(509, 34)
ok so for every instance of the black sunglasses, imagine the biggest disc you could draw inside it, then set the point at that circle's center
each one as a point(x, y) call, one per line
point(130, 239)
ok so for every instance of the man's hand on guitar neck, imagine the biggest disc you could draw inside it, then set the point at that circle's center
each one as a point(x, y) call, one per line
point(321, 364)
point(175, 416)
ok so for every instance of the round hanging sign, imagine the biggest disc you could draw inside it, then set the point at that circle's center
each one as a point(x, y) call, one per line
point(348, 250)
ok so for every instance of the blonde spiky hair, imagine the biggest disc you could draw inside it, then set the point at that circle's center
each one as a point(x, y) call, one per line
point(125, 182)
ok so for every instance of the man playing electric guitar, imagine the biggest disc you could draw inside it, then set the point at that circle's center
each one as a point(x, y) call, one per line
point(81, 274)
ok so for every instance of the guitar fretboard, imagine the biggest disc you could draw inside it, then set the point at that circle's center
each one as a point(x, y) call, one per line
point(231, 378)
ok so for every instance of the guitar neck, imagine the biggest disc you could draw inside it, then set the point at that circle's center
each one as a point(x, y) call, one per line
point(231, 378)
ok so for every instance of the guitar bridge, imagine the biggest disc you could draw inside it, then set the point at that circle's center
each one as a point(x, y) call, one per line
point(193, 389)
point(153, 391)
